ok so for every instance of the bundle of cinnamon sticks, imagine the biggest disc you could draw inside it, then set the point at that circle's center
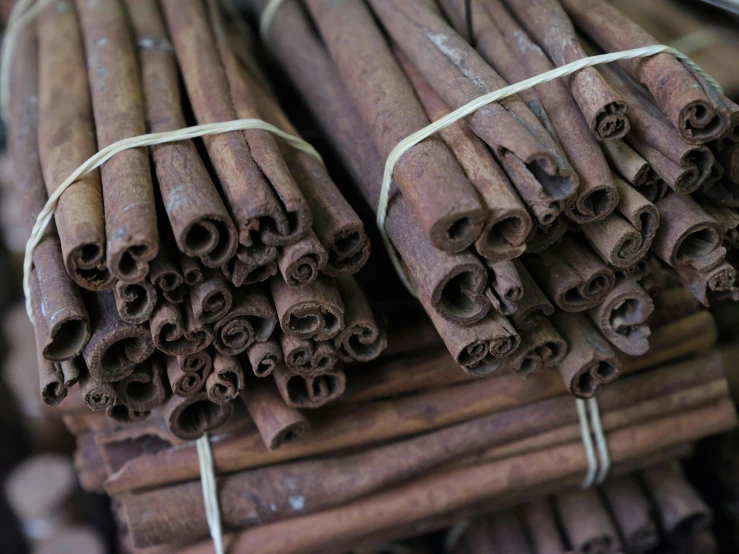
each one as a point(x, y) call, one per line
point(412, 439)
point(177, 275)
point(527, 229)
point(642, 512)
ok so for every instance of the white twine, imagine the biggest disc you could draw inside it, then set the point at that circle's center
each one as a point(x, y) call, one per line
point(268, 15)
point(598, 466)
point(210, 492)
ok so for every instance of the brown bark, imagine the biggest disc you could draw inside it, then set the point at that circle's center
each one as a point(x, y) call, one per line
point(363, 338)
point(175, 330)
point(252, 318)
point(211, 298)
point(97, 395)
point(192, 271)
point(503, 43)
point(631, 167)
point(624, 237)
point(541, 347)
point(453, 283)
point(404, 416)
point(532, 302)
point(542, 237)
point(56, 378)
point(165, 273)
point(130, 216)
point(264, 357)
point(525, 149)
point(309, 391)
point(115, 346)
point(622, 317)
point(450, 491)
point(682, 165)
point(307, 357)
point(687, 235)
point(122, 414)
point(300, 263)
point(226, 379)
point(710, 285)
point(201, 225)
point(134, 301)
point(444, 203)
point(571, 275)
point(694, 111)
point(586, 521)
point(66, 139)
point(506, 286)
point(146, 388)
point(682, 511)
point(187, 374)
point(278, 423)
point(257, 212)
point(542, 528)
point(631, 513)
point(61, 323)
point(507, 225)
point(190, 418)
point(315, 311)
point(589, 362)
point(251, 266)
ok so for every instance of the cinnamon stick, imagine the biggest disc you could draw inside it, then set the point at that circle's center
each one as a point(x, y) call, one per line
point(631, 167)
point(145, 388)
point(252, 265)
point(454, 284)
point(363, 339)
point(506, 286)
point(708, 285)
point(682, 512)
point(624, 237)
point(586, 521)
point(501, 41)
point(307, 357)
point(542, 527)
point(253, 203)
point(56, 378)
point(189, 418)
point(444, 203)
point(278, 424)
point(262, 144)
point(527, 152)
point(201, 225)
point(508, 223)
point(532, 302)
point(314, 391)
point(622, 316)
point(264, 357)
point(211, 298)
point(97, 395)
point(693, 109)
point(66, 139)
point(314, 311)
point(589, 362)
point(251, 318)
point(61, 322)
point(134, 301)
point(165, 273)
point(125, 415)
point(226, 379)
point(115, 346)
point(300, 262)
point(541, 347)
point(687, 235)
point(192, 271)
point(187, 374)
point(571, 275)
point(544, 236)
point(631, 513)
point(130, 216)
point(176, 331)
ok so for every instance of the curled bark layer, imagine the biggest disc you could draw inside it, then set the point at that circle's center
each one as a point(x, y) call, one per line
point(135, 301)
point(145, 388)
point(187, 374)
point(586, 521)
point(363, 337)
point(189, 418)
point(278, 423)
point(211, 298)
point(632, 513)
point(252, 318)
point(541, 347)
point(315, 311)
point(309, 391)
point(226, 379)
point(176, 331)
point(306, 357)
point(264, 357)
point(301, 262)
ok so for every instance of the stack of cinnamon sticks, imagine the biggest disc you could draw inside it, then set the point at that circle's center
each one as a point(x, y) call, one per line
point(412, 440)
point(632, 513)
point(526, 229)
point(175, 275)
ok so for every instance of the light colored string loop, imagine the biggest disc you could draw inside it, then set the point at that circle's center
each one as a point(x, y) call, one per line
point(587, 441)
point(407, 143)
point(588, 412)
point(210, 492)
point(600, 441)
point(268, 15)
